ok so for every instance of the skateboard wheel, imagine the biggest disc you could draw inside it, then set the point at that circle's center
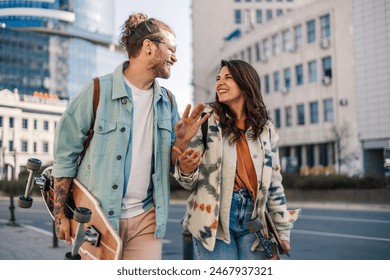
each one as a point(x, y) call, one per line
point(82, 215)
point(33, 164)
point(69, 257)
point(24, 202)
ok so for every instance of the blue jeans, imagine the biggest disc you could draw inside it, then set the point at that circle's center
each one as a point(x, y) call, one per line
point(241, 239)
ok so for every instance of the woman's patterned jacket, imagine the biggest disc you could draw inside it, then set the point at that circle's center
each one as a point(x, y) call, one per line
point(208, 206)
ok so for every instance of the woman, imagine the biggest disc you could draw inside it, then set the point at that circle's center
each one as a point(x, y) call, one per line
point(237, 177)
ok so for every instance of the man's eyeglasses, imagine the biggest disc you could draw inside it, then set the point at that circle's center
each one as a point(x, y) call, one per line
point(170, 47)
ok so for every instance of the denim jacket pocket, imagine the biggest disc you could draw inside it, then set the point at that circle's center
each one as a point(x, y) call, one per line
point(165, 133)
point(104, 136)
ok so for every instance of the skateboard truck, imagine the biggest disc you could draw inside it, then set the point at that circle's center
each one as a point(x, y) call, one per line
point(91, 235)
point(33, 164)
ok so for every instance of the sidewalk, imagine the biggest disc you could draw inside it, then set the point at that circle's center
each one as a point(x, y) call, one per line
point(23, 242)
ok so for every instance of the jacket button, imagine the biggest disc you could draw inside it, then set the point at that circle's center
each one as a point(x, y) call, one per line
point(119, 157)
point(100, 128)
point(111, 213)
point(123, 129)
point(115, 187)
point(254, 156)
point(124, 100)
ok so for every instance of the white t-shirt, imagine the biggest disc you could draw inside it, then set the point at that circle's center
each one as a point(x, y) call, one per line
point(138, 192)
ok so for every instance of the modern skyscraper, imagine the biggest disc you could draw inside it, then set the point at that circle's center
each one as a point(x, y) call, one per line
point(56, 46)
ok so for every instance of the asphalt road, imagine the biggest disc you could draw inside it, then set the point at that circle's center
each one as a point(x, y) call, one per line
point(319, 234)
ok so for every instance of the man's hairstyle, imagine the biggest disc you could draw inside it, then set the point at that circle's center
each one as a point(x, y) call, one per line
point(139, 27)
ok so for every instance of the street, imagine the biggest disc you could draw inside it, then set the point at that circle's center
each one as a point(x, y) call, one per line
point(319, 234)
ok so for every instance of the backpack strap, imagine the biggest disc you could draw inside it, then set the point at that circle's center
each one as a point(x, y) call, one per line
point(169, 93)
point(204, 131)
point(96, 96)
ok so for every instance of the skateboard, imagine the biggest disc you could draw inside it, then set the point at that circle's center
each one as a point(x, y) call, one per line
point(93, 237)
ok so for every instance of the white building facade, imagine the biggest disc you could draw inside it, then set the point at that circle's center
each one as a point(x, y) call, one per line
point(313, 59)
point(27, 129)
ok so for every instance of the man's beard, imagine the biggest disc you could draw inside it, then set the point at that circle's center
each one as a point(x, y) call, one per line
point(160, 68)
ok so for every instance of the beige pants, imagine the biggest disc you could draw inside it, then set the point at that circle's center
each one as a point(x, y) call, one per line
point(137, 234)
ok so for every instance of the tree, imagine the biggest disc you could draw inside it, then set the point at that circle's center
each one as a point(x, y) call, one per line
point(341, 137)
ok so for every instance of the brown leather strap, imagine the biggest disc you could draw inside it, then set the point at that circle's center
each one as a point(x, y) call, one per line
point(96, 95)
point(169, 93)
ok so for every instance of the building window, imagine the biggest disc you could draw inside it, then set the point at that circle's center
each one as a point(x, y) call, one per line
point(324, 154)
point(242, 55)
point(237, 16)
point(299, 74)
point(35, 124)
point(301, 114)
point(266, 48)
point(11, 145)
point(288, 116)
point(279, 12)
point(237, 1)
point(24, 146)
point(297, 36)
point(327, 66)
point(312, 66)
point(310, 155)
point(45, 147)
point(325, 26)
point(328, 110)
point(258, 54)
point(25, 123)
point(286, 40)
point(269, 15)
point(287, 78)
point(45, 125)
point(11, 122)
point(277, 118)
point(35, 147)
point(313, 112)
point(275, 44)
point(266, 84)
point(298, 154)
point(259, 16)
point(276, 81)
point(311, 31)
point(1, 121)
point(249, 51)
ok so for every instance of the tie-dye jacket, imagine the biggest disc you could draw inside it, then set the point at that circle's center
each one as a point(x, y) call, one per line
point(208, 206)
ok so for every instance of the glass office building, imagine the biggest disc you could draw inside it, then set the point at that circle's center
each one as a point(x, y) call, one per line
point(56, 46)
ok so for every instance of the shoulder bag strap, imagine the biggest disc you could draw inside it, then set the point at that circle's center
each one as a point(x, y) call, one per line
point(96, 95)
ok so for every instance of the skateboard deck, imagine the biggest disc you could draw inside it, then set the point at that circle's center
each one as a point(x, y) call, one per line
point(110, 244)
point(93, 238)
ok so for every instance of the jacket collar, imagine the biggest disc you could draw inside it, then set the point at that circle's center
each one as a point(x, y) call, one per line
point(119, 88)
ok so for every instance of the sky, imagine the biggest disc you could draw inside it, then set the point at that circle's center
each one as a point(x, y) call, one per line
point(177, 14)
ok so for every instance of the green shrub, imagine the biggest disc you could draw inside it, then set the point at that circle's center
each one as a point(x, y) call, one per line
point(323, 182)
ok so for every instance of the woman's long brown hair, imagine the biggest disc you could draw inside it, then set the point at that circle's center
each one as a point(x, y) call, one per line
point(248, 80)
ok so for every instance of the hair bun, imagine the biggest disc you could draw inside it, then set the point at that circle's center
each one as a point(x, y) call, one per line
point(134, 20)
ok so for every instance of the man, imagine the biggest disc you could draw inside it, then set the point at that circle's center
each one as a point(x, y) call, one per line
point(126, 166)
